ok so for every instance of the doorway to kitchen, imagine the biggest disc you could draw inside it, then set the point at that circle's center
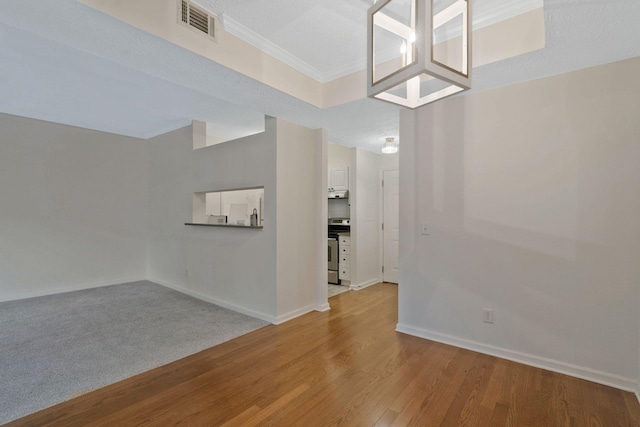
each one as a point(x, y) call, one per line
point(390, 225)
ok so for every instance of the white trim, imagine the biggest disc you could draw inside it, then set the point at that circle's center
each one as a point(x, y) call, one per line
point(259, 315)
point(293, 314)
point(72, 288)
point(508, 10)
point(600, 377)
point(243, 33)
point(380, 222)
point(344, 70)
point(323, 307)
point(637, 390)
point(361, 286)
point(381, 217)
point(252, 313)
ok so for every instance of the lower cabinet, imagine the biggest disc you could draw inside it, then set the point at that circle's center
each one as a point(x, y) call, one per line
point(344, 262)
point(345, 272)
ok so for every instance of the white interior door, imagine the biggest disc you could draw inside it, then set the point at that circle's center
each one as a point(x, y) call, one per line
point(390, 221)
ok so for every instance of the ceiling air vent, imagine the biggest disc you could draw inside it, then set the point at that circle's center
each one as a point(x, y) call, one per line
point(197, 19)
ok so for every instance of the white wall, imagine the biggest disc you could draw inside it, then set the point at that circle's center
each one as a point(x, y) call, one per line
point(275, 273)
point(301, 192)
point(159, 17)
point(83, 208)
point(229, 266)
point(339, 157)
point(532, 193)
point(72, 208)
point(340, 208)
point(390, 161)
point(366, 226)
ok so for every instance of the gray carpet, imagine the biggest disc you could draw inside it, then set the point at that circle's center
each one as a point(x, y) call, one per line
point(337, 289)
point(56, 347)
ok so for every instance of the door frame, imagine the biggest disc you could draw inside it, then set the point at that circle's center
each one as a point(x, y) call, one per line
point(381, 220)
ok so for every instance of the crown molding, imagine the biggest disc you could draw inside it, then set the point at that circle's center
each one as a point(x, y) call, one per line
point(243, 33)
point(483, 19)
point(507, 10)
point(345, 70)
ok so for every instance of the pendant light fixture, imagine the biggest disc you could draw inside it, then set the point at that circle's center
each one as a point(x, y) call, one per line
point(418, 51)
point(390, 146)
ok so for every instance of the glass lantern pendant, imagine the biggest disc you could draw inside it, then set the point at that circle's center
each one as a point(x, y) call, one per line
point(418, 51)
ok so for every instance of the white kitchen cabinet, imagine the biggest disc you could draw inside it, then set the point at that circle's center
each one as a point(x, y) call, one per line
point(344, 260)
point(339, 179)
point(344, 273)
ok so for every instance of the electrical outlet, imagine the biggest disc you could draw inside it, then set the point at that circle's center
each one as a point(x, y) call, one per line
point(424, 229)
point(487, 315)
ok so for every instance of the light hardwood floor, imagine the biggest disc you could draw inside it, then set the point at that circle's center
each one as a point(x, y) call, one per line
point(345, 367)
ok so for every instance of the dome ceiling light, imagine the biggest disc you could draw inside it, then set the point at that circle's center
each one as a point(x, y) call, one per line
point(390, 146)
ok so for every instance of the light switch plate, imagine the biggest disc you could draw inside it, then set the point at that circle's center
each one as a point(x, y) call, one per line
point(424, 229)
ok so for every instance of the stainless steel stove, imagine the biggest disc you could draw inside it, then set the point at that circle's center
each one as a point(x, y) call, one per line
point(340, 221)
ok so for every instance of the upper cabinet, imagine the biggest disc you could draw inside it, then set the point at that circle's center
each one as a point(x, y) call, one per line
point(339, 179)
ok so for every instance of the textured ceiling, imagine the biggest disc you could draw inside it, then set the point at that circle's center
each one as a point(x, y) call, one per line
point(325, 39)
point(307, 30)
point(55, 66)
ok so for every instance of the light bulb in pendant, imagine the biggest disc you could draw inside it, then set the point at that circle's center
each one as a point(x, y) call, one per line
point(403, 47)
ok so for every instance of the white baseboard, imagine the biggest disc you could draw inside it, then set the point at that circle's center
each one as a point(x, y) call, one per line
point(203, 297)
point(365, 284)
point(637, 391)
point(295, 313)
point(271, 319)
point(259, 315)
point(323, 307)
point(600, 377)
point(64, 289)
